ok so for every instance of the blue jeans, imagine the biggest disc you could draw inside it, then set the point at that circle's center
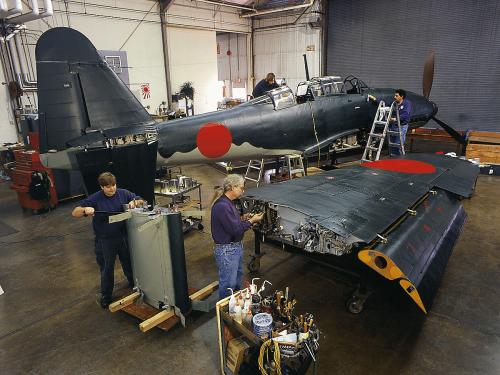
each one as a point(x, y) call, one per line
point(395, 151)
point(229, 259)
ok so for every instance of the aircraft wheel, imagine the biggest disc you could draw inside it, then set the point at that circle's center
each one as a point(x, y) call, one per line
point(354, 305)
point(254, 265)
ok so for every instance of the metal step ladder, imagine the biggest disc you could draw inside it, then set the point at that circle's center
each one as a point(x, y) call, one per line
point(293, 165)
point(255, 165)
point(376, 138)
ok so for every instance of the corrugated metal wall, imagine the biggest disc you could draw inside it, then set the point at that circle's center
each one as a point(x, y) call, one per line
point(232, 56)
point(385, 43)
point(280, 49)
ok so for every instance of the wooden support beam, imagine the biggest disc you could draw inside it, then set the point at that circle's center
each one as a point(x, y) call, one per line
point(128, 300)
point(155, 320)
point(204, 292)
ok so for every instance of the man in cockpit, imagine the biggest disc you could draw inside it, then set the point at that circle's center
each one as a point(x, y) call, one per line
point(264, 85)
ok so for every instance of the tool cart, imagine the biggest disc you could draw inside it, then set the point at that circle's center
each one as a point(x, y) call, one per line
point(273, 342)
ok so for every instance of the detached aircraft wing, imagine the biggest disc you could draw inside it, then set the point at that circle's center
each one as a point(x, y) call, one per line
point(400, 217)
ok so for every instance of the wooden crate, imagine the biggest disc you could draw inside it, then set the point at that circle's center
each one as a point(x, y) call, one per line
point(484, 146)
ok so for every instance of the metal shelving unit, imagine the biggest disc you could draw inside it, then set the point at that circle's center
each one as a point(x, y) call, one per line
point(177, 199)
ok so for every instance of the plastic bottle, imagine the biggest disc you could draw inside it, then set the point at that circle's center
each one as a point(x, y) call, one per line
point(237, 312)
point(232, 303)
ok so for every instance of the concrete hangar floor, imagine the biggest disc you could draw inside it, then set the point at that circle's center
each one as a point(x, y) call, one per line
point(51, 324)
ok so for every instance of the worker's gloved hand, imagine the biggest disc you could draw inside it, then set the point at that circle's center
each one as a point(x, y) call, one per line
point(371, 97)
point(88, 211)
point(256, 218)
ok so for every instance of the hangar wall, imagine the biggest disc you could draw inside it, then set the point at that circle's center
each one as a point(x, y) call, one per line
point(193, 58)
point(385, 43)
point(134, 26)
point(279, 49)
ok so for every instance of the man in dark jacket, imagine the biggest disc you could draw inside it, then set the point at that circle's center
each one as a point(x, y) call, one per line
point(110, 239)
point(228, 228)
point(264, 85)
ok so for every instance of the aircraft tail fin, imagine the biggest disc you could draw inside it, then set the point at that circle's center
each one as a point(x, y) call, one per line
point(81, 99)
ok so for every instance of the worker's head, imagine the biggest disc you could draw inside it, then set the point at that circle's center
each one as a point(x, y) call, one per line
point(399, 95)
point(234, 186)
point(107, 182)
point(270, 78)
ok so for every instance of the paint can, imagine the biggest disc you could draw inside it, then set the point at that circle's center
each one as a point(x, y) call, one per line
point(262, 325)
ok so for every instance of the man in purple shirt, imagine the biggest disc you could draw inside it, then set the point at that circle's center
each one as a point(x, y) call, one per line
point(404, 109)
point(110, 239)
point(228, 229)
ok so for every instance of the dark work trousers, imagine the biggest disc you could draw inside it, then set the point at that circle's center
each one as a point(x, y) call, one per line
point(106, 250)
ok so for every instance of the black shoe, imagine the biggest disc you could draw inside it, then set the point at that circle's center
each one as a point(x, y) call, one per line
point(104, 302)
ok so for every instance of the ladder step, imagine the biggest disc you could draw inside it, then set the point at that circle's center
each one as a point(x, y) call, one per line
point(251, 179)
point(392, 132)
point(394, 144)
point(372, 148)
point(379, 122)
point(377, 135)
point(365, 160)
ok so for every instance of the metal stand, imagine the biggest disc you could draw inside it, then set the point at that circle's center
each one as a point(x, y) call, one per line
point(177, 199)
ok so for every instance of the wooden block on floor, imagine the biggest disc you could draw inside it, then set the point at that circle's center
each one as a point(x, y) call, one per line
point(144, 312)
point(204, 292)
point(156, 319)
point(128, 300)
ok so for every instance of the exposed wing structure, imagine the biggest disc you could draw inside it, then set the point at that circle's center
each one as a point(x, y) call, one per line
point(401, 216)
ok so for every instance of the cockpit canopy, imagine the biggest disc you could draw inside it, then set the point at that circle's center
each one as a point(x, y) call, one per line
point(321, 86)
point(283, 97)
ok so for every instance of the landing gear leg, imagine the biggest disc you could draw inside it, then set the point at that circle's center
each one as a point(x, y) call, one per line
point(254, 264)
point(355, 303)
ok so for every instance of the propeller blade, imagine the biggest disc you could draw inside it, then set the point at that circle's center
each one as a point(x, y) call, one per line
point(448, 129)
point(428, 75)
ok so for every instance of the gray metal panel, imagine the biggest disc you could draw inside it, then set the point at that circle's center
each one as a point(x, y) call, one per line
point(150, 254)
point(385, 43)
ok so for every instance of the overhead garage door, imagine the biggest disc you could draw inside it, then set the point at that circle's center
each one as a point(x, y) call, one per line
point(385, 43)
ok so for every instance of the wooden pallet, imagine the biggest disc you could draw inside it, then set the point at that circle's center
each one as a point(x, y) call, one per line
point(484, 146)
point(152, 317)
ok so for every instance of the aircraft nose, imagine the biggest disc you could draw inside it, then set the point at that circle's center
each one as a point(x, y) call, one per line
point(434, 108)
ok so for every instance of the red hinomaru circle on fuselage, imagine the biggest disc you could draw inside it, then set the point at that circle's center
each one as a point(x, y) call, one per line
point(213, 140)
point(402, 166)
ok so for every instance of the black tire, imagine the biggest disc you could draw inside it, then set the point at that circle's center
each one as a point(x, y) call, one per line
point(200, 226)
point(354, 305)
point(254, 265)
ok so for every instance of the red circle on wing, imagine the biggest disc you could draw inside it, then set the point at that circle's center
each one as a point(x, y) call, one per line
point(402, 166)
point(214, 140)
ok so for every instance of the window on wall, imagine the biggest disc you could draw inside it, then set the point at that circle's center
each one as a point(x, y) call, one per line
point(115, 63)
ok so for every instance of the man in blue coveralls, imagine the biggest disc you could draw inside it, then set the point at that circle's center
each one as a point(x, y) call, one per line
point(265, 85)
point(110, 239)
